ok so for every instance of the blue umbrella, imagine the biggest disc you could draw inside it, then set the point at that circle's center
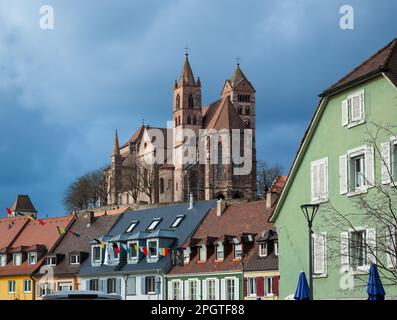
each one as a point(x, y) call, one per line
point(375, 288)
point(302, 291)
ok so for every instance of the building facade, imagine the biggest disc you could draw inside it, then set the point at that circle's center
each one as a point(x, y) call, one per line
point(346, 165)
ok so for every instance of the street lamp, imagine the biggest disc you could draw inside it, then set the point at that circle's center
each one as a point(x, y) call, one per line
point(310, 211)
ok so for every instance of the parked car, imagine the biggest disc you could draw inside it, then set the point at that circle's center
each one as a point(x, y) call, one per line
point(81, 295)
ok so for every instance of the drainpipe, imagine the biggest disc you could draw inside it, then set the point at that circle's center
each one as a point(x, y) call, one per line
point(30, 276)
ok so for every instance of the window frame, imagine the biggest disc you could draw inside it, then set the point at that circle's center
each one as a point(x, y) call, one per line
point(12, 287)
point(29, 289)
point(3, 260)
point(177, 221)
point(235, 251)
point(208, 287)
point(14, 256)
point(93, 260)
point(131, 226)
point(263, 252)
point(231, 294)
point(319, 198)
point(74, 255)
point(150, 257)
point(202, 251)
point(129, 245)
point(251, 287)
point(220, 248)
point(151, 280)
point(50, 258)
point(30, 255)
point(269, 293)
point(350, 123)
point(153, 225)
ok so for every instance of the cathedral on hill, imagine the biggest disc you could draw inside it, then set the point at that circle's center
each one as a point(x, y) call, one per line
point(132, 179)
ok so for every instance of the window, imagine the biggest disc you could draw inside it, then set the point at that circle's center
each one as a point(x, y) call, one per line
point(319, 254)
point(238, 251)
point(353, 112)
point(251, 286)
point(186, 255)
point(45, 288)
point(27, 285)
point(74, 259)
point(389, 161)
point(161, 185)
point(220, 165)
point(65, 286)
point(211, 289)
point(152, 248)
point(269, 286)
point(319, 180)
point(356, 170)
point(154, 224)
point(32, 257)
point(3, 260)
point(131, 226)
point(176, 290)
point(96, 254)
point(51, 261)
point(240, 110)
point(263, 249)
point(191, 101)
point(219, 251)
point(178, 101)
point(276, 248)
point(247, 110)
point(150, 285)
point(131, 286)
point(17, 259)
point(358, 250)
point(193, 290)
point(203, 253)
point(133, 250)
point(94, 284)
point(177, 221)
point(111, 285)
point(391, 245)
point(11, 286)
point(230, 289)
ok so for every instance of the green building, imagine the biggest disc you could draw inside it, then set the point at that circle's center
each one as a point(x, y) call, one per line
point(346, 163)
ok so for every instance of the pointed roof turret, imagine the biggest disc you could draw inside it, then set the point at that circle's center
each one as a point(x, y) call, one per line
point(237, 76)
point(116, 149)
point(186, 77)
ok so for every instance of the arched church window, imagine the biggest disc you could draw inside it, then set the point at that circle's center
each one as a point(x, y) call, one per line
point(188, 120)
point(190, 101)
point(178, 101)
point(247, 110)
point(220, 165)
point(240, 110)
point(161, 185)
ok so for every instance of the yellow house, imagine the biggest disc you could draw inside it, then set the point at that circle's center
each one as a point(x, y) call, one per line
point(16, 288)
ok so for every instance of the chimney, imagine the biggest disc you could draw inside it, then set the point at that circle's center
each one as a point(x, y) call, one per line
point(271, 199)
point(220, 207)
point(89, 216)
point(191, 204)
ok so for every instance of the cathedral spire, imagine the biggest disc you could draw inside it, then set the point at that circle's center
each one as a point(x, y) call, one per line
point(116, 149)
point(237, 75)
point(186, 77)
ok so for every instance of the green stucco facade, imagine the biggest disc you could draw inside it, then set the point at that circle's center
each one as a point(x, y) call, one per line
point(327, 138)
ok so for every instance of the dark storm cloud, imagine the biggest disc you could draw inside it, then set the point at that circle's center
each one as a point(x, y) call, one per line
point(110, 64)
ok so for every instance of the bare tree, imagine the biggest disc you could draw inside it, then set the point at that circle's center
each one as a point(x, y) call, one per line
point(131, 181)
point(147, 177)
point(265, 175)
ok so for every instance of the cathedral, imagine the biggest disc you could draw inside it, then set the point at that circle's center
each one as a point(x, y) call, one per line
point(169, 177)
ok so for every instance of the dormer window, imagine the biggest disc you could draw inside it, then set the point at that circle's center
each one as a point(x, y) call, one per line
point(154, 224)
point(263, 249)
point(177, 221)
point(74, 258)
point(203, 253)
point(131, 226)
point(17, 259)
point(238, 251)
point(219, 251)
point(32, 257)
point(186, 255)
point(152, 245)
point(51, 261)
point(133, 250)
point(3, 260)
point(96, 254)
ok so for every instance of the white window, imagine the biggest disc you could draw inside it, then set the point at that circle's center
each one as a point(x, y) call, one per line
point(251, 286)
point(176, 290)
point(133, 248)
point(186, 255)
point(74, 259)
point(391, 247)
point(93, 284)
point(177, 221)
point(51, 261)
point(11, 286)
point(150, 285)
point(219, 251)
point(358, 249)
point(319, 180)
point(230, 289)
point(389, 161)
point(131, 226)
point(154, 224)
point(276, 248)
point(27, 286)
point(263, 249)
point(238, 251)
point(193, 290)
point(3, 260)
point(152, 245)
point(319, 254)
point(45, 288)
point(203, 253)
point(17, 259)
point(65, 286)
point(211, 289)
point(96, 254)
point(111, 285)
point(269, 286)
point(32, 257)
point(131, 286)
point(353, 110)
point(356, 170)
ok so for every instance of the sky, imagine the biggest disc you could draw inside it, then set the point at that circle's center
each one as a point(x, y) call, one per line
point(107, 65)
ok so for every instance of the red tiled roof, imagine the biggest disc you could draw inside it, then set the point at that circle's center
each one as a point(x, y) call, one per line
point(9, 229)
point(111, 212)
point(36, 234)
point(279, 184)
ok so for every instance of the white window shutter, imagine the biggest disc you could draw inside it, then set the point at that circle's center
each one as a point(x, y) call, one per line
point(345, 113)
point(318, 253)
point(186, 290)
point(391, 246)
point(314, 181)
point(369, 166)
point(199, 293)
point(385, 162)
point(362, 104)
point(323, 180)
point(204, 294)
point(170, 291)
point(217, 289)
point(343, 174)
point(356, 109)
point(371, 245)
point(223, 289)
point(344, 251)
point(236, 289)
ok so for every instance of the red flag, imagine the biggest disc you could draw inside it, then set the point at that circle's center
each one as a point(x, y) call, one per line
point(144, 250)
point(42, 222)
point(9, 212)
point(116, 248)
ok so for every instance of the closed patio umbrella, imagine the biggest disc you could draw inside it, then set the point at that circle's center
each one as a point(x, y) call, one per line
point(375, 288)
point(302, 291)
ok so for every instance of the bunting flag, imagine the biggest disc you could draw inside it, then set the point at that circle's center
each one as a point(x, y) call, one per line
point(135, 247)
point(9, 213)
point(116, 248)
point(164, 252)
point(76, 234)
point(42, 222)
point(102, 243)
point(61, 230)
point(144, 251)
point(31, 217)
point(128, 250)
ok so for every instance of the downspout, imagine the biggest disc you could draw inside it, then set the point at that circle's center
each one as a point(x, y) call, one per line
point(30, 276)
point(164, 284)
